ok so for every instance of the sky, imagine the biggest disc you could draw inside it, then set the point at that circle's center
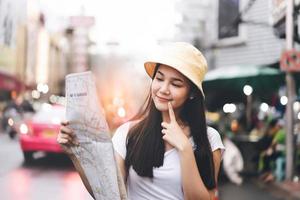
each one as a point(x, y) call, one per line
point(131, 23)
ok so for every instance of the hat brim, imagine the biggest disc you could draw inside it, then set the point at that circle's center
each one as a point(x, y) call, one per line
point(150, 69)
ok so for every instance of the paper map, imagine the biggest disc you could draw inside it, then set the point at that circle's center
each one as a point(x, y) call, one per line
point(95, 152)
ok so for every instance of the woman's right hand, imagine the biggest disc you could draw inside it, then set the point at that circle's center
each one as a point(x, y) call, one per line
point(66, 137)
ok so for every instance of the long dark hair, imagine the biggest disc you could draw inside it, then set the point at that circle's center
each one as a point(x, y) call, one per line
point(145, 146)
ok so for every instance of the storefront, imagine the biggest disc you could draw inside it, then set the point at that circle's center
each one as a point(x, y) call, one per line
point(9, 85)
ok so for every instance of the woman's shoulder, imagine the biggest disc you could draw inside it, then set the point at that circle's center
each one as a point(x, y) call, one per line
point(119, 138)
point(127, 125)
point(214, 139)
point(124, 128)
point(211, 132)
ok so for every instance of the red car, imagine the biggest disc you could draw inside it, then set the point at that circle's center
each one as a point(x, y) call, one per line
point(39, 132)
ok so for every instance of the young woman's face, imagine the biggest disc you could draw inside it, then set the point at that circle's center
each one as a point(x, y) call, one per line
point(169, 85)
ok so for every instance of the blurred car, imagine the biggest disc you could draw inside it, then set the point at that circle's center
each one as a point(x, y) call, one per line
point(40, 131)
point(13, 115)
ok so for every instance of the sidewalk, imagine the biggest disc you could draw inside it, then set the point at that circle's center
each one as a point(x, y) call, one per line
point(286, 189)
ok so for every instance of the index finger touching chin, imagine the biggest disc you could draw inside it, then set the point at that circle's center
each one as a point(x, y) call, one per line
point(171, 112)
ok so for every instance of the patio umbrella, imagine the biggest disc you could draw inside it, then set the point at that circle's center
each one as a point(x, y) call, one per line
point(223, 85)
point(261, 78)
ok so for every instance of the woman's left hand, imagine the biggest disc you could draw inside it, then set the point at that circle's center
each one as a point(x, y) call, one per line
point(172, 132)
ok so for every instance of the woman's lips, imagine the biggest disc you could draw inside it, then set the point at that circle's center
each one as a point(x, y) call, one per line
point(163, 99)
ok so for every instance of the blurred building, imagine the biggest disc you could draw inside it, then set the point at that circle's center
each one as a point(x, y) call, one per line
point(58, 63)
point(46, 54)
point(12, 47)
point(196, 25)
point(79, 42)
point(234, 32)
point(33, 57)
point(192, 27)
point(29, 54)
point(244, 33)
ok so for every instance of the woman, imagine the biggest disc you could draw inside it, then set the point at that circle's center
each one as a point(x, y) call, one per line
point(168, 152)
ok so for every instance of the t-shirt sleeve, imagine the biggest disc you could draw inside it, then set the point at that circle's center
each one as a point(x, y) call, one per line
point(119, 139)
point(215, 140)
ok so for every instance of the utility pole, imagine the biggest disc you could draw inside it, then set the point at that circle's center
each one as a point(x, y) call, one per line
point(289, 28)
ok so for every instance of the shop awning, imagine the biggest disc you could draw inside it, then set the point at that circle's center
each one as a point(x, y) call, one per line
point(9, 82)
point(261, 78)
point(225, 85)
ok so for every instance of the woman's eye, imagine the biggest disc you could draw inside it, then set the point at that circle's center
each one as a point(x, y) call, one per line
point(176, 85)
point(159, 79)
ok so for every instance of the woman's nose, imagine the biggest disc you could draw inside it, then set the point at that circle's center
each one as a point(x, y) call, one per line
point(165, 88)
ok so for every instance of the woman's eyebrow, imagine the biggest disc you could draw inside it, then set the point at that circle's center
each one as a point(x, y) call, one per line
point(160, 73)
point(173, 79)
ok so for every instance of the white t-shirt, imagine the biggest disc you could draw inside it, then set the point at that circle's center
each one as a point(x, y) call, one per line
point(166, 181)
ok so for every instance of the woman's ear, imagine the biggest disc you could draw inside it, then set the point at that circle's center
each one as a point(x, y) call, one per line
point(192, 96)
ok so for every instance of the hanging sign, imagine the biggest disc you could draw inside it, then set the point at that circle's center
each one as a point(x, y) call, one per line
point(290, 61)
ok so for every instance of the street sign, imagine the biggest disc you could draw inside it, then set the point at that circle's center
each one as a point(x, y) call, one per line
point(290, 61)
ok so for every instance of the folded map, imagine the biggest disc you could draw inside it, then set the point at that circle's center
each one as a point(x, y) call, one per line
point(94, 155)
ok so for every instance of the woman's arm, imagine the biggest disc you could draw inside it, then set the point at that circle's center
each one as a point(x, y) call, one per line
point(81, 174)
point(192, 184)
point(217, 162)
point(121, 165)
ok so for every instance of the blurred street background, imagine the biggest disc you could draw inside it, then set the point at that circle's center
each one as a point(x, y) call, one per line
point(252, 88)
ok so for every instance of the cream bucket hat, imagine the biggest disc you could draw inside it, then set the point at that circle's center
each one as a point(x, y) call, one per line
point(183, 57)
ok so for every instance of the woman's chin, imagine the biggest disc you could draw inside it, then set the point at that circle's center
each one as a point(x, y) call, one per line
point(161, 107)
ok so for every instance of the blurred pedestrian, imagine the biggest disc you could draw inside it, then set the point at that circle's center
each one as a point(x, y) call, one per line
point(11, 109)
point(276, 153)
point(167, 151)
point(267, 146)
point(258, 130)
point(13, 113)
point(233, 162)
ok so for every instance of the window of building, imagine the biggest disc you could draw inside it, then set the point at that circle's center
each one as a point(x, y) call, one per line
point(230, 31)
point(228, 13)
